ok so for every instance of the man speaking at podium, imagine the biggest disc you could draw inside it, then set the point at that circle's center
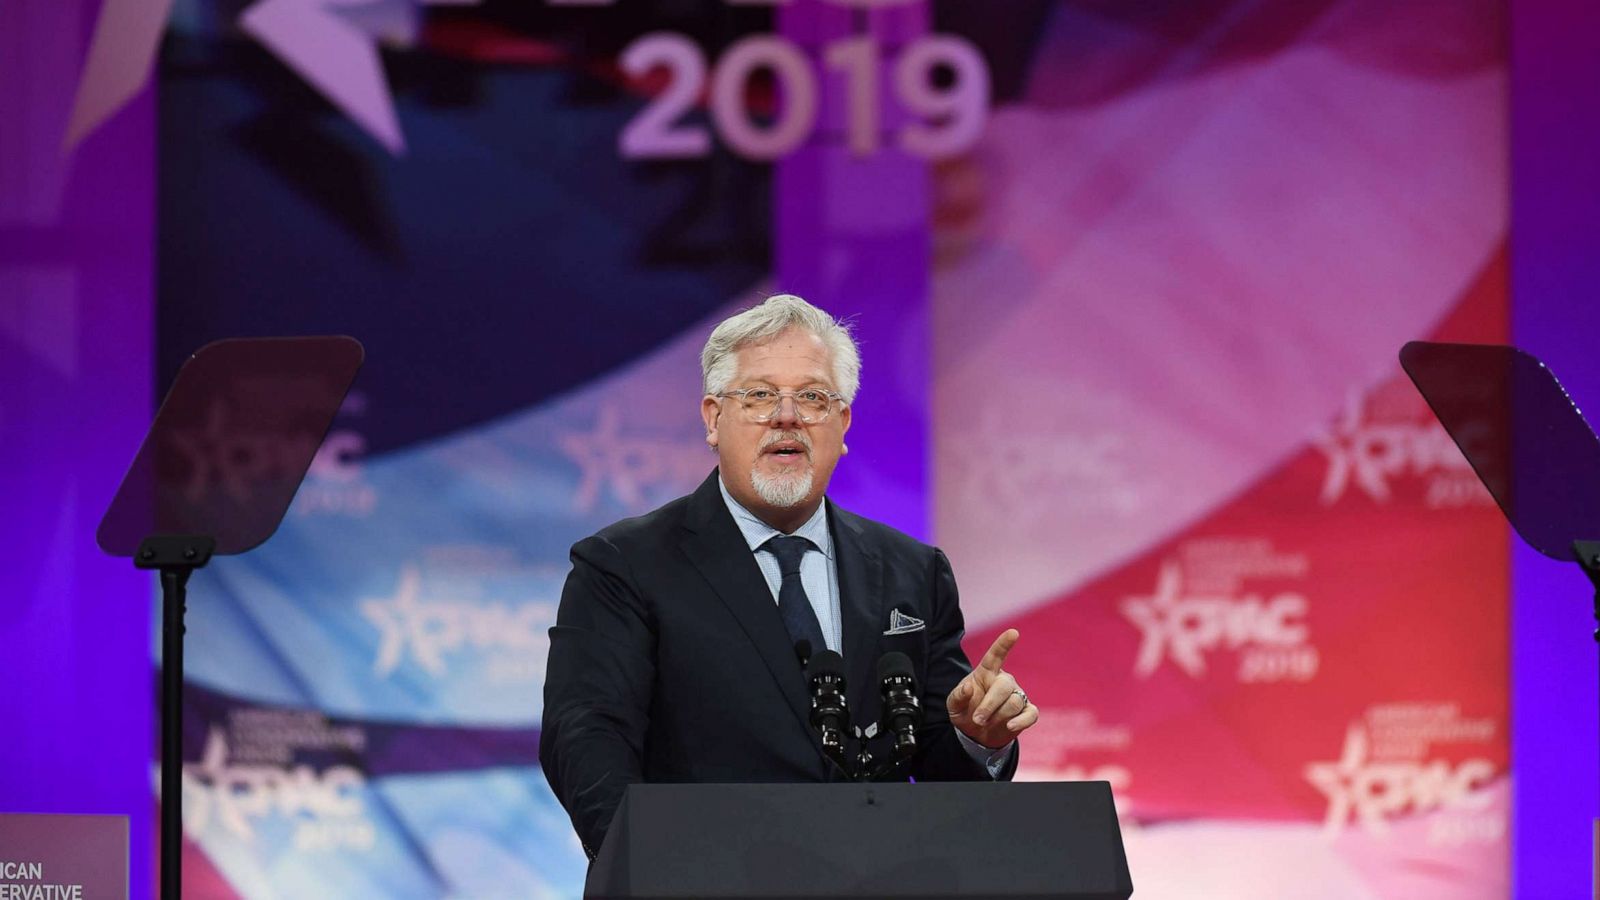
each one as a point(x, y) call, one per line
point(675, 653)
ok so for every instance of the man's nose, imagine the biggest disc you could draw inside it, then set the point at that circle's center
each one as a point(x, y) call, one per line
point(788, 411)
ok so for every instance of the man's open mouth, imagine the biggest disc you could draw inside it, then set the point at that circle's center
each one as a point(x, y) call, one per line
point(786, 449)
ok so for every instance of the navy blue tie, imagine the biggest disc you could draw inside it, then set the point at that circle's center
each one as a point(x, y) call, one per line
point(793, 604)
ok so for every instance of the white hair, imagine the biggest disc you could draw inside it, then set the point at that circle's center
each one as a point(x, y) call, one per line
point(773, 317)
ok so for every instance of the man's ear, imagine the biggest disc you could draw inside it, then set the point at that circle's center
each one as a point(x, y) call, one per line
point(710, 410)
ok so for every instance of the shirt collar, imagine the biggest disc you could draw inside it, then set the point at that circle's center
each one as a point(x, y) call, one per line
point(757, 532)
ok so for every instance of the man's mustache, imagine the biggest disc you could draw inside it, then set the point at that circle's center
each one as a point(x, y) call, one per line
point(775, 437)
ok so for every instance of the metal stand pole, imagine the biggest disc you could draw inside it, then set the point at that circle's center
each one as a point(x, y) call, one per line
point(1587, 554)
point(173, 598)
point(175, 557)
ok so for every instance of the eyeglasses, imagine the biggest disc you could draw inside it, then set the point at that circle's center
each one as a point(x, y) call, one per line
point(812, 405)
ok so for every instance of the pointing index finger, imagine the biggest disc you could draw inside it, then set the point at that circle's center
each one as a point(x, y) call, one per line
point(997, 653)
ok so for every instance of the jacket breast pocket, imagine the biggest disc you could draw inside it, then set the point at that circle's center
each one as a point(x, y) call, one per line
point(907, 633)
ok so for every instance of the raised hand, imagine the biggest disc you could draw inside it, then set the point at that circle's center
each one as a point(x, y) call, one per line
point(987, 705)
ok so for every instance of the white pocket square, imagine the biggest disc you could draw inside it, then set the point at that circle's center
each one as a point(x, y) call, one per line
point(900, 623)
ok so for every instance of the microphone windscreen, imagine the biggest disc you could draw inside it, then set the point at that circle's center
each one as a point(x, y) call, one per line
point(895, 663)
point(826, 662)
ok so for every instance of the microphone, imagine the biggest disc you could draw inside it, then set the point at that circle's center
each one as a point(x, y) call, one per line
point(830, 715)
point(802, 651)
point(902, 710)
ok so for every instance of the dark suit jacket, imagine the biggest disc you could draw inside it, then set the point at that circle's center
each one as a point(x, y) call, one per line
point(669, 661)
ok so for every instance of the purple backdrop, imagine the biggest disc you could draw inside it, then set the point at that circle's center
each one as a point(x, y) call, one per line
point(75, 311)
point(75, 361)
point(851, 234)
point(1555, 104)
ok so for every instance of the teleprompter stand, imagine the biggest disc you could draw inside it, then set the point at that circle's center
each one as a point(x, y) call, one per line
point(215, 474)
point(175, 557)
point(853, 840)
point(1528, 444)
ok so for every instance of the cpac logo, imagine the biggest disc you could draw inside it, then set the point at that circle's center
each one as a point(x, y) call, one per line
point(1371, 454)
point(1024, 479)
point(1185, 628)
point(1373, 792)
point(630, 467)
point(339, 457)
point(335, 484)
point(222, 455)
point(233, 795)
point(430, 630)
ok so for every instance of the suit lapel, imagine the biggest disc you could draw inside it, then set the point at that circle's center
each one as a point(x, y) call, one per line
point(718, 550)
point(861, 605)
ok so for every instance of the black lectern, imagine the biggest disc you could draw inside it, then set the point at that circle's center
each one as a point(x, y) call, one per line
point(1054, 839)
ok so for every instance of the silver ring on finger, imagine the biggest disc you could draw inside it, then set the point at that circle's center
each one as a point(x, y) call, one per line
point(1019, 692)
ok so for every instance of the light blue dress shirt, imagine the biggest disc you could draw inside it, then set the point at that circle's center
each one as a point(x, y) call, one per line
point(819, 572)
point(819, 575)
